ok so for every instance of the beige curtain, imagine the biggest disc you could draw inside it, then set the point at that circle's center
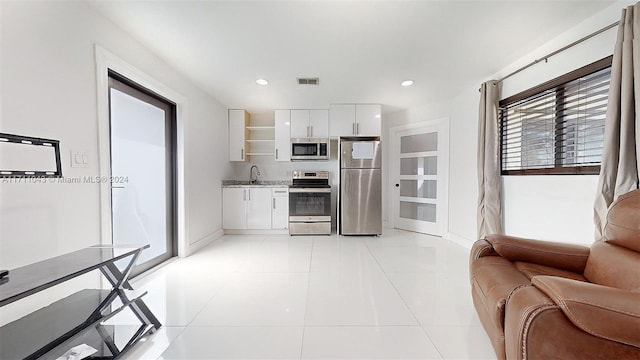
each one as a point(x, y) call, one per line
point(619, 169)
point(489, 200)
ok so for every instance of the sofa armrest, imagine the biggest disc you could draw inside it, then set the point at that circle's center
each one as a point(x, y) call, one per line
point(481, 248)
point(602, 311)
point(558, 255)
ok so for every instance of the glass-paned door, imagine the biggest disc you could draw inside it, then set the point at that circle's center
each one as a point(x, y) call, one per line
point(420, 166)
point(142, 171)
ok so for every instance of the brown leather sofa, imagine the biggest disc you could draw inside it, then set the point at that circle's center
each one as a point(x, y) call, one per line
point(546, 300)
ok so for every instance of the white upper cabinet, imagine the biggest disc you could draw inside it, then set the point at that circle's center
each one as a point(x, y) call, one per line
point(238, 122)
point(368, 118)
point(299, 124)
point(319, 123)
point(342, 118)
point(309, 124)
point(355, 120)
point(283, 135)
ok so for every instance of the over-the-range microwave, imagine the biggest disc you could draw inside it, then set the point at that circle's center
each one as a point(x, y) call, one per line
point(309, 149)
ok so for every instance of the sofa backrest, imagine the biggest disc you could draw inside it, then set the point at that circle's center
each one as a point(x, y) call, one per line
point(615, 259)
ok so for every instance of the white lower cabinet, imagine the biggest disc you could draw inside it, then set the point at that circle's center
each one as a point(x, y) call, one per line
point(255, 208)
point(246, 208)
point(234, 214)
point(258, 208)
point(280, 208)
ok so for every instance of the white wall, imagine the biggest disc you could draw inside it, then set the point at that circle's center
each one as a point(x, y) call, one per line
point(462, 114)
point(544, 207)
point(48, 89)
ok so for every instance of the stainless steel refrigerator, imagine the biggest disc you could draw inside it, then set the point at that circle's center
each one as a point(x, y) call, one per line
point(360, 186)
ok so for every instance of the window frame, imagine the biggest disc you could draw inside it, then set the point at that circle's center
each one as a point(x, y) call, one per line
point(549, 85)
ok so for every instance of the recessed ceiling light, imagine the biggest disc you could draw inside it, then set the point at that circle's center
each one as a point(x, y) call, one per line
point(262, 82)
point(407, 83)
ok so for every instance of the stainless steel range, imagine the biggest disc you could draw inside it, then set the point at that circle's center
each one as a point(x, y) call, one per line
point(310, 203)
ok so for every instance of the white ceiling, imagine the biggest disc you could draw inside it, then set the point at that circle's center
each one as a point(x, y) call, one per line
point(360, 50)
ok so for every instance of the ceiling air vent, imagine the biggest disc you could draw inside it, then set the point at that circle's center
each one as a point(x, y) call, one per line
point(308, 81)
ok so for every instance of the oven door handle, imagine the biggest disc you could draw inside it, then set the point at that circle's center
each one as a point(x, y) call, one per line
point(310, 190)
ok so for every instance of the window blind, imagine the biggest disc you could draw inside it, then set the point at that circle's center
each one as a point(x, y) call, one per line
point(559, 130)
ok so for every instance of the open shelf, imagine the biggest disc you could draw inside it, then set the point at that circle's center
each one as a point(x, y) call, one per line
point(260, 139)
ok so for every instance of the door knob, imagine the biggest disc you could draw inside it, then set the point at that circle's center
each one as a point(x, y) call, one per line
point(397, 185)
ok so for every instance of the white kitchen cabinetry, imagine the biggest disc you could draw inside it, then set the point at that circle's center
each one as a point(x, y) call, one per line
point(258, 208)
point(342, 119)
point(319, 123)
point(238, 122)
point(368, 118)
point(309, 124)
point(283, 135)
point(280, 208)
point(234, 201)
point(355, 120)
point(299, 124)
point(246, 208)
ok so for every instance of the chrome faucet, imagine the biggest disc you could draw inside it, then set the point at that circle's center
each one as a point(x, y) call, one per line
point(251, 179)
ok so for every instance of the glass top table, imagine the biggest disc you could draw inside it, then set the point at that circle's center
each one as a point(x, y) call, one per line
point(52, 330)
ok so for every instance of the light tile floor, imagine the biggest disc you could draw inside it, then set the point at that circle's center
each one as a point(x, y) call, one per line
point(402, 295)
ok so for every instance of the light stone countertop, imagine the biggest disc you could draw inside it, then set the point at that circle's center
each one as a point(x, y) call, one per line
point(259, 183)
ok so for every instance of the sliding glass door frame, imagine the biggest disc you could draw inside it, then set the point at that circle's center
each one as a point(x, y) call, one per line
point(129, 87)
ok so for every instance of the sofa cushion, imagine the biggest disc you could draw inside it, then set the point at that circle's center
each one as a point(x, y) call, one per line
point(494, 278)
point(530, 270)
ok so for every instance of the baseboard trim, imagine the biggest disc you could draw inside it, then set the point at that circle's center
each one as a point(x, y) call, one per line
point(148, 272)
point(207, 240)
point(457, 239)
